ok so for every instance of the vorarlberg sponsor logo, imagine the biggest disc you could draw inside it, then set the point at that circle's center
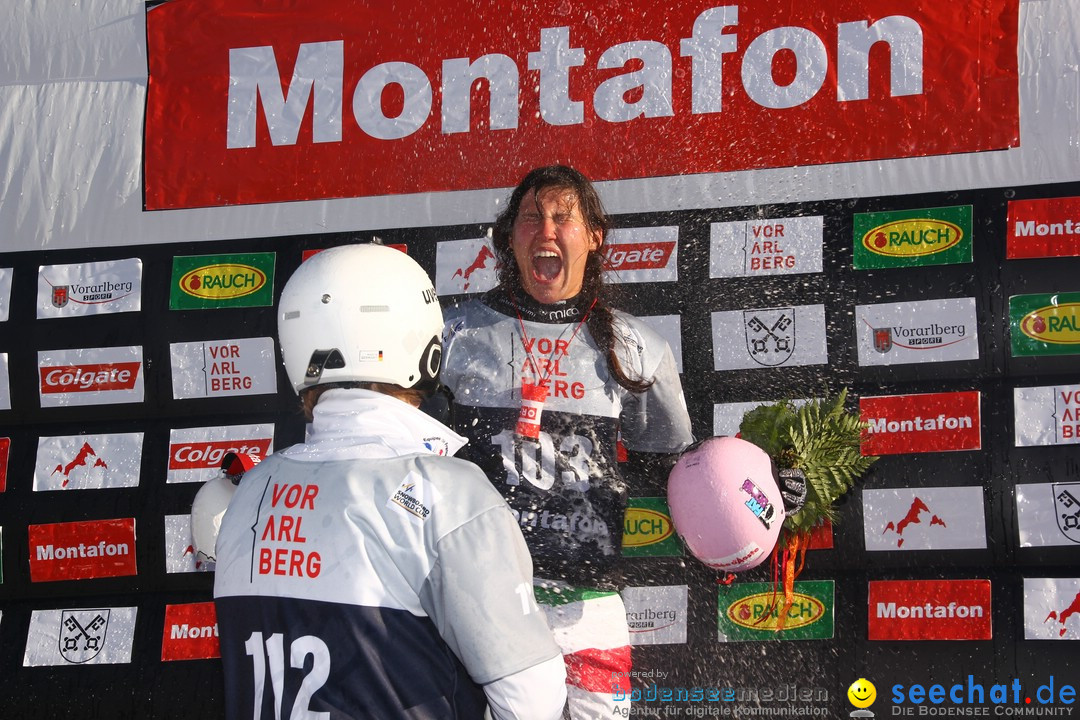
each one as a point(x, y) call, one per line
point(648, 531)
point(89, 288)
point(1045, 324)
point(912, 238)
point(217, 281)
point(1048, 415)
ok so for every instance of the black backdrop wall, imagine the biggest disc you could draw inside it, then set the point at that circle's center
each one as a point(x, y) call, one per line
point(149, 687)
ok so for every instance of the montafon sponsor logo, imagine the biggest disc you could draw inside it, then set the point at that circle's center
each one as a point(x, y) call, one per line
point(929, 610)
point(191, 632)
point(81, 550)
point(929, 422)
point(1048, 227)
point(1045, 324)
point(218, 281)
point(912, 238)
point(295, 112)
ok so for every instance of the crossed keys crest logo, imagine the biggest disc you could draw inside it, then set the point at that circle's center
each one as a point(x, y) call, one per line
point(82, 633)
point(1067, 509)
point(767, 335)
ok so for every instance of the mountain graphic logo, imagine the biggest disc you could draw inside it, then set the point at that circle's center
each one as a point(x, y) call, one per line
point(914, 516)
point(87, 457)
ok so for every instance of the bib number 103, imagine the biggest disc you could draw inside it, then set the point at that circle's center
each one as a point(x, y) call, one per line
point(270, 655)
point(539, 462)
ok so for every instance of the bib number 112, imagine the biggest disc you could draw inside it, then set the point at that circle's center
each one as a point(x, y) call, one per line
point(271, 654)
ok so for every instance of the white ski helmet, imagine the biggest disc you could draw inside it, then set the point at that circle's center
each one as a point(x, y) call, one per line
point(360, 313)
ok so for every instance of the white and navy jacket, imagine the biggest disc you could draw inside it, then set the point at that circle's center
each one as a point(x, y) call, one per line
point(367, 574)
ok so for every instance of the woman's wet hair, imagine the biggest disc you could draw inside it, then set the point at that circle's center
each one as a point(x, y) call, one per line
point(601, 321)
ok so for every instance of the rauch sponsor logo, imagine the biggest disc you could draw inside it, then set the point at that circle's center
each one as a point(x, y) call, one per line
point(222, 281)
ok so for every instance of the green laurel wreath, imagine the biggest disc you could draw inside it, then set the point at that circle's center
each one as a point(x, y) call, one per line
point(821, 439)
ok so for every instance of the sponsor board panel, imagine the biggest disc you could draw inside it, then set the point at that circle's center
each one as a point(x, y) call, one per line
point(191, 632)
point(90, 376)
point(1048, 415)
point(646, 254)
point(205, 282)
point(1044, 324)
point(1052, 608)
point(1047, 227)
point(113, 286)
point(769, 337)
point(751, 612)
point(465, 266)
point(929, 610)
point(912, 238)
point(1048, 514)
point(776, 246)
point(5, 448)
point(656, 615)
point(928, 422)
point(80, 636)
point(222, 368)
point(648, 531)
point(5, 292)
point(727, 417)
point(296, 114)
point(195, 454)
point(82, 550)
point(5, 388)
point(180, 553)
point(916, 332)
point(88, 462)
point(668, 327)
point(930, 518)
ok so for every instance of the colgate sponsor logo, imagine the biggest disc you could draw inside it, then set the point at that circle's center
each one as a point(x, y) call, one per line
point(932, 422)
point(81, 550)
point(191, 632)
point(929, 610)
point(96, 377)
point(193, 456)
point(638, 256)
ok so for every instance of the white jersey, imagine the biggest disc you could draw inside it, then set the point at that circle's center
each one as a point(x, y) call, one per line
point(565, 486)
point(366, 575)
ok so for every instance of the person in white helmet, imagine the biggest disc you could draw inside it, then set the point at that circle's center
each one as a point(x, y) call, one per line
point(365, 573)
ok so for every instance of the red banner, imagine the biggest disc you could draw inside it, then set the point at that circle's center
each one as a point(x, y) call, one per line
point(81, 550)
point(191, 632)
point(929, 610)
point(930, 422)
point(5, 443)
point(1043, 228)
point(275, 101)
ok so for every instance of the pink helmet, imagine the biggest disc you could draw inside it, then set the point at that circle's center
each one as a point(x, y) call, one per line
point(725, 503)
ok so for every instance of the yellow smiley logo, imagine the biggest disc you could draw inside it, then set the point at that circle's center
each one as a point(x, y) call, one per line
point(862, 693)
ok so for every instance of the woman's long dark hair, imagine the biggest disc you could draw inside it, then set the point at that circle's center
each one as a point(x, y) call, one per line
point(601, 321)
